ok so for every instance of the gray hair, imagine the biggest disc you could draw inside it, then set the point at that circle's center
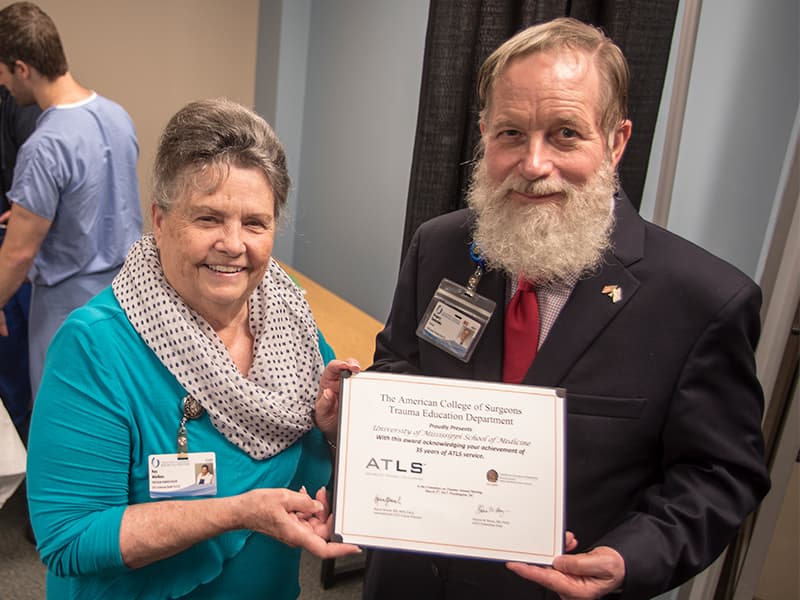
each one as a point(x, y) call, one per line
point(204, 139)
point(558, 34)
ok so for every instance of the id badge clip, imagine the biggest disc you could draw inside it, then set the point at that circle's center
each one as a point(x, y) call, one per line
point(457, 316)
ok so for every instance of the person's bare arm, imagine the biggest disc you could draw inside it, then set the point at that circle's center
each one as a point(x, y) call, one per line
point(154, 531)
point(24, 236)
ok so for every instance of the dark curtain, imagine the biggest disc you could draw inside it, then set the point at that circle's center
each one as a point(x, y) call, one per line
point(462, 33)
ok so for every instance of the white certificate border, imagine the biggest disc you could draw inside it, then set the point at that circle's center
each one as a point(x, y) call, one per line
point(556, 395)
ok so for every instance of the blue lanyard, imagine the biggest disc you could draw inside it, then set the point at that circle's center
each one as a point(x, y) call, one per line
point(480, 264)
point(475, 255)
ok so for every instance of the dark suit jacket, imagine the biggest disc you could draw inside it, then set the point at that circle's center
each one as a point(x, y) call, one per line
point(16, 124)
point(664, 445)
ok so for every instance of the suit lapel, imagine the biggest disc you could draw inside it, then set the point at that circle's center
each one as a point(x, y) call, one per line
point(589, 309)
point(487, 361)
point(583, 318)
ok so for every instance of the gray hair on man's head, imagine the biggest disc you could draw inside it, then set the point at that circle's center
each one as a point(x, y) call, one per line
point(559, 34)
point(204, 139)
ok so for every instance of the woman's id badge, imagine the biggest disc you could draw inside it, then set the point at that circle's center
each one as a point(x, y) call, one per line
point(455, 319)
point(181, 476)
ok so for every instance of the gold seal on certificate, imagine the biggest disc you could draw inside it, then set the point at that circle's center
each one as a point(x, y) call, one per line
point(449, 466)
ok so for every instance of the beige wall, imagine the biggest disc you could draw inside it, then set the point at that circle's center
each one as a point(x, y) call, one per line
point(154, 56)
point(780, 579)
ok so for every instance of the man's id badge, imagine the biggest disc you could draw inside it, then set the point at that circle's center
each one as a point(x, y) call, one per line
point(455, 319)
point(194, 474)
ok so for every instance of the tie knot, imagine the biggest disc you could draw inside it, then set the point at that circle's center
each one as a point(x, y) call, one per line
point(523, 285)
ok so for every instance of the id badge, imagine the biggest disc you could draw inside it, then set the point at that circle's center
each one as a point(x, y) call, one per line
point(455, 319)
point(174, 476)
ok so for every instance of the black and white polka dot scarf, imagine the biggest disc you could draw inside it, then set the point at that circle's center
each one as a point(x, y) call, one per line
point(263, 413)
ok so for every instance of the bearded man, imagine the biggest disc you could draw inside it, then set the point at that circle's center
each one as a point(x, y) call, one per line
point(652, 337)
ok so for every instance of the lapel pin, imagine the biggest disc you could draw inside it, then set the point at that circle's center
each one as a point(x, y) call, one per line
point(614, 292)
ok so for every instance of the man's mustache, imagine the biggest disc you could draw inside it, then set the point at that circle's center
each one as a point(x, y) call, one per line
point(514, 183)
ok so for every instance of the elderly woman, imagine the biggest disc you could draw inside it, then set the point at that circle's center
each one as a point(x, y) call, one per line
point(202, 352)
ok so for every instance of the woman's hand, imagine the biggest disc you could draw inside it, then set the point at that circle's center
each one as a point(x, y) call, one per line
point(153, 531)
point(570, 542)
point(295, 519)
point(321, 522)
point(326, 412)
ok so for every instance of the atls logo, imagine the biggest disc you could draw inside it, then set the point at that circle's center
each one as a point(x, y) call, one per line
point(393, 465)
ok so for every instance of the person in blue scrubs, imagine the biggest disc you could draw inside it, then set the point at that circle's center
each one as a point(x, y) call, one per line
point(75, 197)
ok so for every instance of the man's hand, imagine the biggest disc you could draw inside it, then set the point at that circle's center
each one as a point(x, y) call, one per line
point(578, 576)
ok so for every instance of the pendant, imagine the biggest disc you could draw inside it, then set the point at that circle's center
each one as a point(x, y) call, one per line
point(192, 410)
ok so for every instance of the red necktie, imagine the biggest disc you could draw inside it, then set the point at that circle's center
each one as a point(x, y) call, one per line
point(521, 337)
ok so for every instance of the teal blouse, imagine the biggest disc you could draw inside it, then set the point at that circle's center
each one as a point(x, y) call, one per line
point(106, 403)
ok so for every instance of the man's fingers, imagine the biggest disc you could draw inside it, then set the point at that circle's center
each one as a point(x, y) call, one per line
point(602, 563)
point(541, 575)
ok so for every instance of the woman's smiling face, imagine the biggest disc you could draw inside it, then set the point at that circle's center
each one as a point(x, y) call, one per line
point(215, 246)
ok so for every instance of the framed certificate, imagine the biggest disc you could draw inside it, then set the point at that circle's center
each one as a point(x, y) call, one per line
point(450, 466)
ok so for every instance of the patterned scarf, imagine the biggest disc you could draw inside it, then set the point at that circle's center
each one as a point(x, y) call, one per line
point(263, 413)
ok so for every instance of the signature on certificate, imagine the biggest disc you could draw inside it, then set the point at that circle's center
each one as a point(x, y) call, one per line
point(483, 509)
point(388, 501)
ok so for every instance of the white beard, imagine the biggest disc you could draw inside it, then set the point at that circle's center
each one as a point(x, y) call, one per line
point(543, 243)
